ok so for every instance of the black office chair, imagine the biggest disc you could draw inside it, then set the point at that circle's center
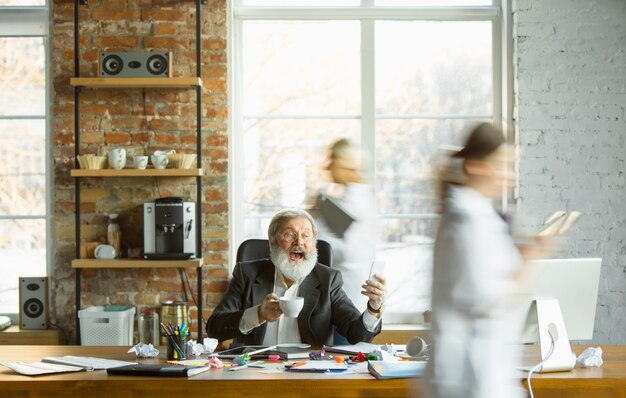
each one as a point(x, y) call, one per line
point(254, 249)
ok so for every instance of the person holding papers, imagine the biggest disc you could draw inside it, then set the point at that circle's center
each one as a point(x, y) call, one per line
point(354, 249)
point(250, 311)
point(477, 270)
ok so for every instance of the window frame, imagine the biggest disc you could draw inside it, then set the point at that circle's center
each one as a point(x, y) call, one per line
point(367, 13)
point(24, 22)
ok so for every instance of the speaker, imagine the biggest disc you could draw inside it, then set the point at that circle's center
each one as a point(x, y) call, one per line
point(135, 64)
point(33, 303)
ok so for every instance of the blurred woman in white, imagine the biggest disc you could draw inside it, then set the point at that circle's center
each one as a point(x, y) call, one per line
point(354, 252)
point(477, 267)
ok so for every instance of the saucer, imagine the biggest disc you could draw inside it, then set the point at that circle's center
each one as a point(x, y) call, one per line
point(104, 252)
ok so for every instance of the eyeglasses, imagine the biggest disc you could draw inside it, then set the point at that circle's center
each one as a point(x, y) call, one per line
point(292, 236)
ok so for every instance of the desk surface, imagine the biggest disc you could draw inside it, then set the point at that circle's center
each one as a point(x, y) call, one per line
point(606, 381)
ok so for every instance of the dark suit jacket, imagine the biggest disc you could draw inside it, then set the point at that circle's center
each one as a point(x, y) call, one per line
point(325, 305)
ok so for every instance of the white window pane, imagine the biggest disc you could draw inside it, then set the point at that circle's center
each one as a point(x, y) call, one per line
point(439, 3)
point(23, 253)
point(22, 76)
point(433, 67)
point(407, 249)
point(408, 155)
point(23, 169)
point(296, 3)
point(284, 163)
point(22, 2)
point(301, 68)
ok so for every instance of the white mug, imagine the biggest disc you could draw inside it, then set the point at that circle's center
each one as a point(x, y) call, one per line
point(416, 347)
point(140, 161)
point(117, 158)
point(291, 306)
point(159, 161)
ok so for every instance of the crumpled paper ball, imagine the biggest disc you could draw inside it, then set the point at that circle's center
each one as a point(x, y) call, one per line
point(144, 350)
point(207, 347)
point(592, 356)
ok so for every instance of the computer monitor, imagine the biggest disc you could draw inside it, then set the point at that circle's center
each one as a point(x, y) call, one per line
point(574, 283)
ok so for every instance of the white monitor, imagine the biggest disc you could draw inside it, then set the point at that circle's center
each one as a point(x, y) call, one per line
point(574, 283)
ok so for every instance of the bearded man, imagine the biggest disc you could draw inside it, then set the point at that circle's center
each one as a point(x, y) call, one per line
point(250, 313)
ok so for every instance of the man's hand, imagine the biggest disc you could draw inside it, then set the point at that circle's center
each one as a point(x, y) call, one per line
point(375, 290)
point(270, 309)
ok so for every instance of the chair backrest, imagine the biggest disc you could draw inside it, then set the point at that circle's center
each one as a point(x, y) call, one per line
point(254, 249)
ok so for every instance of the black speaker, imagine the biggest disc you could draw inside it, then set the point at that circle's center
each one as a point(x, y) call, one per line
point(135, 64)
point(33, 303)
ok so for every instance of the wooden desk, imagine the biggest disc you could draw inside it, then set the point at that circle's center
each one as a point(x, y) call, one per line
point(607, 381)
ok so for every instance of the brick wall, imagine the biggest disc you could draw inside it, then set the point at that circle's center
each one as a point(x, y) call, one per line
point(571, 98)
point(140, 121)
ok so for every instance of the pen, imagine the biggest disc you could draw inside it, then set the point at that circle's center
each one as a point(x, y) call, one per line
point(246, 365)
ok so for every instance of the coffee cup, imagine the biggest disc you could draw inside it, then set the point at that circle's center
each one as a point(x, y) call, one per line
point(140, 161)
point(104, 252)
point(416, 347)
point(159, 161)
point(117, 158)
point(291, 306)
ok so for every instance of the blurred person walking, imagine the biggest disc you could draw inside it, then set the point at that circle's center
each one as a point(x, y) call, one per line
point(477, 270)
point(354, 252)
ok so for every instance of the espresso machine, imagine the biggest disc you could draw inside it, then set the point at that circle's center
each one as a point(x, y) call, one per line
point(169, 229)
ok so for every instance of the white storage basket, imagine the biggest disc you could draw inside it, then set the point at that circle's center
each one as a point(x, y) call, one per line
point(100, 327)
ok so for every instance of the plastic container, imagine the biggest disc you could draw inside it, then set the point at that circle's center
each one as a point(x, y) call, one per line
point(114, 234)
point(148, 325)
point(112, 327)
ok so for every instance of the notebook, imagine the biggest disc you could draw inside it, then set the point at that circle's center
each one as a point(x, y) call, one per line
point(90, 363)
point(161, 370)
point(337, 218)
point(396, 369)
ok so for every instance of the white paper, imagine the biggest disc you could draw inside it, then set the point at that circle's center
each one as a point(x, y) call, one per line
point(39, 368)
point(87, 362)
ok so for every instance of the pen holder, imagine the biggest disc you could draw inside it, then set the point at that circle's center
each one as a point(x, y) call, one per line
point(177, 347)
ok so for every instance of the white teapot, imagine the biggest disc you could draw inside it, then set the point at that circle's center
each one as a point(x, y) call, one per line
point(165, 153)
point(117, 158)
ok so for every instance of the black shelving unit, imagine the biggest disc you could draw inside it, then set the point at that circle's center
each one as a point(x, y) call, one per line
point(169, 83)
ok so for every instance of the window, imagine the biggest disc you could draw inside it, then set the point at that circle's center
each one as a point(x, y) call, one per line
point(399, 77)
point(24, 189)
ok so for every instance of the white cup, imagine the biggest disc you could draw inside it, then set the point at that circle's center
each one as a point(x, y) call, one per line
point(117, 158)
point(140, 161)
point(104, 252)
point(159, 161)
point(416, 347)
point(291, 306)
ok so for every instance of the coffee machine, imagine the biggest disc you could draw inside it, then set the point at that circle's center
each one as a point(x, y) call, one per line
point(169, 229)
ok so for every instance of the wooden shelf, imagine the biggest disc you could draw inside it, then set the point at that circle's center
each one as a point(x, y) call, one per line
point(16, 336)
point(136, 82)
point(136, 263)
point(136, 173)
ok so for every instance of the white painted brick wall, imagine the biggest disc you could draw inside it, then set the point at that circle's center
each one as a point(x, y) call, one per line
point(570, 66)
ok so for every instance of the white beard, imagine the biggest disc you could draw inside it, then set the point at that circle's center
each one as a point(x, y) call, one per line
point(293, 271)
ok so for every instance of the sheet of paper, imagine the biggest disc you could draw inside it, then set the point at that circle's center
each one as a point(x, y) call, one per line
point(87, 362)
point(353, 349)
point(39, 368)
